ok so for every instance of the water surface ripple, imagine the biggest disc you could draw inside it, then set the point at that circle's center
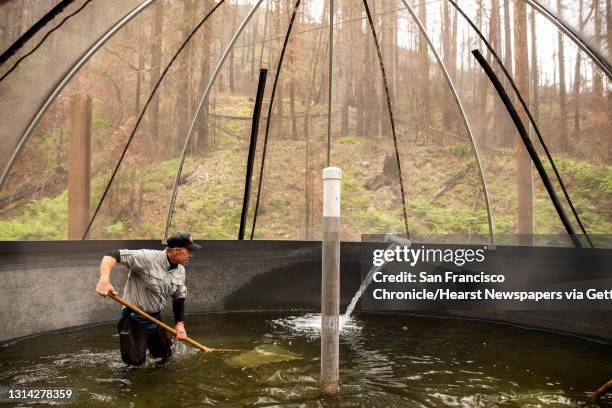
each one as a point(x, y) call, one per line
point(387, 360)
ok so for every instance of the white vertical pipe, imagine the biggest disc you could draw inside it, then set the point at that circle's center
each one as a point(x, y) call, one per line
point(330, 282)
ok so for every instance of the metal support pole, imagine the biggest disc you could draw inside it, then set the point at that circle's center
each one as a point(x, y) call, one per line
point(263, 74)
point(466, 123)
point(279, 67)
point(529, 148)
point(330, 282)
point(79, 167)
point(194, 120)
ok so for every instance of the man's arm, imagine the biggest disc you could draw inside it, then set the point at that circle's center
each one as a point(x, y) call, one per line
point(108, 263)
point(178, 308)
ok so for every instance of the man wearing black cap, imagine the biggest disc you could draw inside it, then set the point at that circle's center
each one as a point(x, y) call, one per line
point(153, 276)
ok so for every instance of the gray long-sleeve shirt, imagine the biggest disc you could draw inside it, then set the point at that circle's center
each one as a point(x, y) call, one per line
point(150, 279)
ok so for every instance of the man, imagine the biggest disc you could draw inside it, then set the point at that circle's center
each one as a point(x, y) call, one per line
point(153, 276)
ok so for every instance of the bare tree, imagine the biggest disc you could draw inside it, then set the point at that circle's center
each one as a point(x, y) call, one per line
point(183, 97)
point(482, 86)
point(507, 37)
point(202, 143)
point(609, 43)
point(155, 71)
point(562, 90)
point(308, 101)
point(386, 36)
point(290, 55)
point(535, 73)
point(597, 78)
point(232, 57)
point(495, 39)
point(252, 49)
point(523, 172)
point(448, 41)
point(608, 25)
point(396, 53)
point(140, 69)
point(423, 101)
point(578, 78)
point(347, 69)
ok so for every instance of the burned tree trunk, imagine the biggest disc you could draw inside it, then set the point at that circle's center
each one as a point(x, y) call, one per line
point(577, 81)
point(423, 58)
point(524, 178)
point(156, 47)
point(535, 74)
point(562, 91)
point(597, 77)
point(389, 175)
point(202, 123)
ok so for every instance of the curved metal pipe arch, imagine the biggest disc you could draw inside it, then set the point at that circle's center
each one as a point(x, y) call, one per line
point(268, 118)
point(143, 111)
point(386, 86)
point(229, 49)
point(601, 62)
point(463, 115)
point(33, 30)
point(526, 108)
point(24, 38)
point(75, 68)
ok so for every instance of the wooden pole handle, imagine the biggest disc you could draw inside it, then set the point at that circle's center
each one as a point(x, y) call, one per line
point(163, 325)
point(603, 390)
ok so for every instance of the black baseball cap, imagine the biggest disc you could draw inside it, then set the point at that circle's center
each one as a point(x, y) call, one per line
point(182, 240)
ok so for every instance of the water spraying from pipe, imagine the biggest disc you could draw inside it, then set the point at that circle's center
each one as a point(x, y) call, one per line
point(395, 242)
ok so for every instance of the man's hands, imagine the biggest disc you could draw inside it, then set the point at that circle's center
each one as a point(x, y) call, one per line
point(104, 287)
point(181, 334)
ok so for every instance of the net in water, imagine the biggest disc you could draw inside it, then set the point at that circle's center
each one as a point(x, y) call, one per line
point(260, 355)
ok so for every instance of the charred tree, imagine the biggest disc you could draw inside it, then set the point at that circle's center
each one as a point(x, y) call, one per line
point(423, 102)
point(155, 72)
point(524, 178)
point(449, 51)
point(535, 74)
point(578, 78)
point(203, 142)
point(184, 79)
point(597, 77)
point(507, 37)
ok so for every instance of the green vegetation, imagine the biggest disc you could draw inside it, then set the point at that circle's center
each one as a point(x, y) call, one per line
point(588, 177)
point(210, 193)
point(45, 218)
point(100, 121)
point(460, 149)
point(350, 139)
point(116, 230)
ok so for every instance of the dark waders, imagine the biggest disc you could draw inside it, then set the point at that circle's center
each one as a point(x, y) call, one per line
point(137, 334)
